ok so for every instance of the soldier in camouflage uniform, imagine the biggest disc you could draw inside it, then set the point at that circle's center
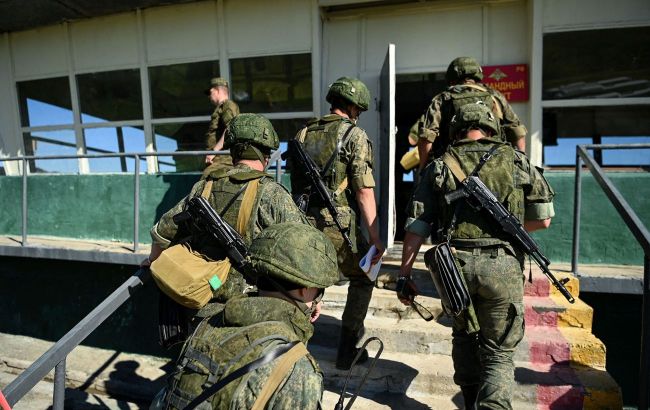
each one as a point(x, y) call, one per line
point(335, 139)
point(251, 138)
point(486, 335)
point(226, 109)
point(463, 76)
point(293, 263)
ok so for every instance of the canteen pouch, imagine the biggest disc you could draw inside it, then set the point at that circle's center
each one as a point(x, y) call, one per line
point(188, 277)
point(448, 279)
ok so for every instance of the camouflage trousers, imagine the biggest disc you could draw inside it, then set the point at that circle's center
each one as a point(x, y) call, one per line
point(360, 287)
point(484, 359)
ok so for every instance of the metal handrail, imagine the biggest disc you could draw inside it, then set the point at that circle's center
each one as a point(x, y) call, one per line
point(56, 355)
point(136, 180)
point(639, 231)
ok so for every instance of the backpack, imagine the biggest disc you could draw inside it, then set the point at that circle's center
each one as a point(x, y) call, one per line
point(457, 96)
point(215, 352)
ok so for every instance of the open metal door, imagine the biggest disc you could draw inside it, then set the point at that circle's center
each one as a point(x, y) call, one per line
point(387, 148)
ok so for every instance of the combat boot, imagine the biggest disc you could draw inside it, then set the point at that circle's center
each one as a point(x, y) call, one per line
point(470, 393)
point(347, 350)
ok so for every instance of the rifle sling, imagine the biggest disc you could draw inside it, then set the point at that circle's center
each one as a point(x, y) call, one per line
point(455, 168)
point(339, 144)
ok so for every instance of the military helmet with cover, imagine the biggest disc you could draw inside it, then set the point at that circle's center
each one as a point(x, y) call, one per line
point(294, 253)
point(246, 130)
point(474, 116)
point(463, 67)
point(350, 89)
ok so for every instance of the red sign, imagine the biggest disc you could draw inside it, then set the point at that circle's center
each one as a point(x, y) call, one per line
point(511, 80)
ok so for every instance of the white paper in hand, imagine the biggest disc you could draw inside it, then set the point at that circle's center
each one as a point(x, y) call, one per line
point(365, 264)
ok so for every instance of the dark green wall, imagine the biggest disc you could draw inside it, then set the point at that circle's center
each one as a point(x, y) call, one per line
point(101, 207)
point(604, 236)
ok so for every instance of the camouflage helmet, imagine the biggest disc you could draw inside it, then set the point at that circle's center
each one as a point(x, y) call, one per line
point(251, 128)
point(351, 90)
point(475, 115)
point(463, 67)
point(296, 253)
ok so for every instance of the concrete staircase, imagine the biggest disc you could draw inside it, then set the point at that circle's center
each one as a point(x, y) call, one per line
point(560, 364)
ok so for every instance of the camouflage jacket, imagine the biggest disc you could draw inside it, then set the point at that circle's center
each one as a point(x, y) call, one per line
point(245, 330)
point(273, 204)
point(435, 127)
point(352, 164)
point(221, 116)
point(509, 175)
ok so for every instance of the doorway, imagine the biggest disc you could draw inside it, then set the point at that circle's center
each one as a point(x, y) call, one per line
point(413, 95)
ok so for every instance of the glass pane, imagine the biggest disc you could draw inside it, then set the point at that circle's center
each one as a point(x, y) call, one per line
point(178, 90)
point(52, 143)
point(627, 157)
point(564, 128)
point(272, 83)
point(45, 102)
point(113, 140)
point(286, 130)
point(564, 153)
point(610, 63)
point(180, 137)
point(110, 96)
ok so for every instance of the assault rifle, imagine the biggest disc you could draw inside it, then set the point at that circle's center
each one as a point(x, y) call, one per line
point(480, 197)
point(313, 173)
point(204, 218)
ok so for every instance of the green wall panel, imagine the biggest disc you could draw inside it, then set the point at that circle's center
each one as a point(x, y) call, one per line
point(100, 207)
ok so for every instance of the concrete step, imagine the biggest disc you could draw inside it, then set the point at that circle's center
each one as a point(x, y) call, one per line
point(557, 386)
point(554, 310)
point(541, 344)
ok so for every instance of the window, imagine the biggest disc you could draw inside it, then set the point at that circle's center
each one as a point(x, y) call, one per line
point(110, 96)
point(566, 127)
point(272, 83)
point(45, 102)
point(180, 137)
point(607, 65)
point(178, 90)
point(51, 143)
point(111, 140)
point(612, 63)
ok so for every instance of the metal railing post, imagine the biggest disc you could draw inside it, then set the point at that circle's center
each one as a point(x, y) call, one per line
point(24, 203)
point(577, 199)
point(644, 365)
point(136, 204)
point(59, 386)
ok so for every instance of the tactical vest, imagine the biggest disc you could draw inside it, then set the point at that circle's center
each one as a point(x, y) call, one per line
point(455, 97)
point(217, 349)
point(320, 143)
point(501, 175)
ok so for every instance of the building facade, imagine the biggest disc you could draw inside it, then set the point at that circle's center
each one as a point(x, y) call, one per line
point(133, 80)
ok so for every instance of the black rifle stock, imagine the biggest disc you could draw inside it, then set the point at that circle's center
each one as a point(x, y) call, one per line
point(475, 189)
point(313, 173)
point(205, 219)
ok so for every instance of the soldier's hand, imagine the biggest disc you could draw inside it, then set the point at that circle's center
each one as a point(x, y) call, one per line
point(316, 312)
point(380, 252)
point(406, 290)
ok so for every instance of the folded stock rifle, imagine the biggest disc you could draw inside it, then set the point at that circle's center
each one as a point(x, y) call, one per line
point(479, 196)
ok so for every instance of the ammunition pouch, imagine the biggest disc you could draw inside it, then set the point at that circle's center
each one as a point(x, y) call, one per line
point(448, 279)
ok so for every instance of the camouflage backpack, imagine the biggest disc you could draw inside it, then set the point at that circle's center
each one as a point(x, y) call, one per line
point(215, 351)
point(456, 97)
